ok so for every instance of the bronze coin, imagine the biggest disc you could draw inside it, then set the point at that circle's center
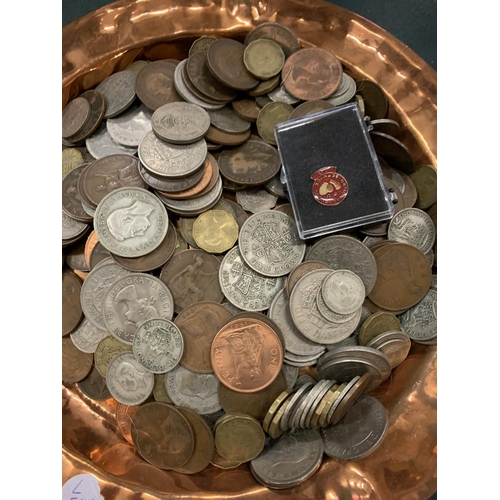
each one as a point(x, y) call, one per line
point(280, 33)
point(300, 270)
point(81, 189)
point(71, 201)
point(153, 260)
point(154, 84)
point(310, 107)
point(162, 435)
point(97, 254)
point(246, 109)
point(199, 323)
point(239, 214)
point(395, 152)
point(252, 164)
point(225, 62)
point(403, 277)
point(375, 100)
point(192, 276)
point(124, 415)
point(75, 257)
point(191, 88)
point(225, 138)
point(94, 386)
point(286, 208)
point(76, 364)
point(166, 185)
point(97, 110)
point(350, 398)
point(72, 313)
point(311, 74)
point(74, 116)
point(89, 245)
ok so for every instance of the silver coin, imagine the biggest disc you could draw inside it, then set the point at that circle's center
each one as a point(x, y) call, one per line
point(256, 199)
point(359, 433)
point(279, 94)
point(88, 209)
point(314, 397)
point(371, 240)
point(330, 417)
point(344, 369)
point(413, 226)
point(132, 300)
point(345, 252)
point(303, 379)
point(197, 391)
point(128, 382)
point(434, 280)
point(75, 116)
point(87, 336)
point(158, 345)
point(130, 127)
point(171, 160)
point(345, 92)
point(275, 187)
point(180, 122)
point(71, 228)
point(325, 388)
point(291, 374)
point(293, 402)
point(343, 291)
point(270, 244)
point(94, 386)
point(300, 361)
point(232, 308)
point(295, 342)
point(394, 344)
point(349, 341)
point(386, 126)
point(365, 313)
point(244, 287)
point(95, 287)
point(100, 144)
point(227, 120)
point(304, 404)
point(328, 313)
point(430, 256)
point(130, 222)
point(420, 321)
point(118, 91)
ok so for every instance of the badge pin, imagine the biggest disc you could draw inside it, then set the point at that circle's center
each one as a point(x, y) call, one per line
point(329, 187)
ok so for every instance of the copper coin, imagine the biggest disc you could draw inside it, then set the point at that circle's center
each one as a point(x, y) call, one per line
point(246, 109)
point(280, 33)
point(154, 84)
point(246, 355)
point(192, 276)
point(403, 277)
point(375, 100)
point(75, 116)
point(252, 164)
point(311, 74)
point(394, 151)
point(310, 107)
point(226, 138)
point(239, 214)
point(89, 245)
point(166, 185)
point(162, 435)
point(97, 110)
point(225, 62)
point(72, 312)
point(71, 201)
point(124, 415)
point(196, 93)
point(76, 364)
point(199, 323)
point(302, 269)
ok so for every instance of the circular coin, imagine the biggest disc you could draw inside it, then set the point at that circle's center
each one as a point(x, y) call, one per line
point(269, 116)
point(263, 58)
point(130, 127)
point(97, 110)
point(215, 231)
point(74, 116)
point(375, 100)
point(413, 226)
point(118, 91)
point(277, 32)
point(76, 364)
point(72, 313)
point(343, 292)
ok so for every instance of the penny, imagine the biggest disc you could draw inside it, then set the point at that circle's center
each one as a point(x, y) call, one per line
point(279, 94)
point(101, 144)
point(72, 313)
point(71, 158)
point(87, 337)
point(256, 200)
point(240, 215)
point(180, 122)
point(425, 181)
point(192, 276)
point(158, 345)
point(270, 244)
point(124, 415)
point(76, 364)
point(324, 403)
point(130, 127)
point(413, 226)
point(375, 100)
point(107, 350)
point(218, 136)
point(265, 86)
point(72, 229)
point(277, 32)
point(410, 191)
point(394, 344)
point(74, 116)
point(199, 323)
point(254, 163)
point(196, 391)
point(343, 291)
point(97, 110)
point(246, 109)
point(246, 355)
point(269, 116)
point(244, 287)
point(162, 435)
point(420, 321)
point(300, 270)
point(118, 91)
point(71, 201)
point(394, 151)
point(309, 108)
point(201, 44)
point(311, 74)
point(263, 58)
point(227, 120)
point(353, 391)
point(94, 386)
point(154, 84)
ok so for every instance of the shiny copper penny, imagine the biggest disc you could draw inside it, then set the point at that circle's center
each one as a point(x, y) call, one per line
point(311, 74)
point(246, 355)
point(89, 245)
point(199, 324)
point(162, 435)
point(72, 312)
point(76, 364)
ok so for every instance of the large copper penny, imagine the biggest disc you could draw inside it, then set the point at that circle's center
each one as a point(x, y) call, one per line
point(311, 74)
point(162, 435)
point(403, 277)
point(246, 355)
point(71, 308)
point(199, 324)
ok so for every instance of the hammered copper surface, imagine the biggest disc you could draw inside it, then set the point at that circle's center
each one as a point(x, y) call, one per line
point(108, 40)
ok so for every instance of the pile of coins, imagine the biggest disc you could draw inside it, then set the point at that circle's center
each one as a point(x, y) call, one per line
point(190, 301)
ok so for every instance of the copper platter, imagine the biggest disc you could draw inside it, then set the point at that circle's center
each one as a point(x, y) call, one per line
point(109, 39)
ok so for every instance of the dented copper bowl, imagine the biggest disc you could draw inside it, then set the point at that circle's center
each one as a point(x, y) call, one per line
point(109, 39)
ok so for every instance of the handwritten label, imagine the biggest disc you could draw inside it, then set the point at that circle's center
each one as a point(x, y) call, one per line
point(81, 487)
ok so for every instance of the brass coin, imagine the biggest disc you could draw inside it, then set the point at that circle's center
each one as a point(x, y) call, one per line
point(76, 364)
point(357, 388)
point(246, 109)
point(321, 406)
point(162, 435)
point(269, 116)
point(425, 181)
point(275, 406)
point(263, 58)
point(71, 158)
point(374, 98)
point(159, 390)
point(265, 87)
point(215, 231)
point(107, 349)
point(274, 429)
point(376, 324)
point(323, 421)
point(223, 463)
point(310, 107)
point(226, 138)
point(201, 44)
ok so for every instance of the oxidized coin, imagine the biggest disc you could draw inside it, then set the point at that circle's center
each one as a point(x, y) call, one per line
point(97, 110)
point(159, 389)
point(256, 200)
point(246, 355)
point(74, 116)
point(420, 321)
point(246, 109)
point(413, 226)
point(270, 244)
point(310, 107)
point(72, 313)
point(132, 300)
point(278, 32)
point(131, 222)
point(263, 58)
point(173, 186)
point(106, 351)
point(265, 87)
point(227, 120)
point(180, 122)
point(94, 386)
point(129, 382)
point(254, 163)
point(158, 345)
point(375, 100)
point(130, 127)
point(376, 324)
point(76, 364)
point(101, 144)
point(201, 44)
point(215, 231)
point(162, 435)
point(343, 291)
point(87, 337)
point(312, 74)
point(425, 181)
point(359, 433)
point(71, 228)
point(71, 201)
point(196, 391)
point(244, 287)
point(118, 91)
point(269, 116)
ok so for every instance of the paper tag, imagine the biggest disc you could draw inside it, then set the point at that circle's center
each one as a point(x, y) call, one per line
point(81, 487)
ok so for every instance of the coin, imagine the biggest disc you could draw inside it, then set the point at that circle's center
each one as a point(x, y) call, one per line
point(413, 226)
point(328, 313)
point(265, 86)
point(269, 116)
point(94, 386)
point(71, 201)
point(75, 259)
point(300, 270)
point(72, 229)
point(394, 151)
point(218, 136)
point(227, 120)
point(425, 181)
point(292, 404)
point(76, 364)
point(309, 108)
point(215, 231)
point(394, 344)
point(201, 44)
point(72, 313)
point(101, 144)
point(71, 158)
point(277, 32)
point(420, 321)
point(345, 91)
point(74, 116)
point(256, 200)
point(131, 126)
point(87, 337)
point(279, 94)
point(374, 98)
point(239, 214)
point(386, 126)
point(263, 58)
point(118, 91)
point(97, 109)
point(246, 109)
point(172, 186)
point(124, 415)
point(343, 291)
point(159, 389)
point(376, 324)
point(107, 349)
point(353, 391)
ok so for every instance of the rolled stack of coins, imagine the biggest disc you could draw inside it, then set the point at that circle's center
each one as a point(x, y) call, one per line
point(189, 300)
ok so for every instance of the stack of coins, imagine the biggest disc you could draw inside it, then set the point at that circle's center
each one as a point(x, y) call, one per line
point(190, 301)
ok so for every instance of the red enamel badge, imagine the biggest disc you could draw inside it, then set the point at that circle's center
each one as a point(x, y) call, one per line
point(329, 188)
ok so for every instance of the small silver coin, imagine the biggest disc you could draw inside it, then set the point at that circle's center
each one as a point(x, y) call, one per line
point(420, 321)
point(118, 91)
point(291, 374)
point(345, 92)
point(100, 144)
point(314, 397)
point(75, 116)
point(343, 291)
point(87, 337)
point(130, 127)
point(303, 406)
point(227, 120)
point(256, 199)
point(328, 384)
point(413, 226)
point(328, 314)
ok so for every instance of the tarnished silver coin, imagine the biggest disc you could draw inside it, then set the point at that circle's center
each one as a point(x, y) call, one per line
point(197, 391)
point(75, 116)
point(71, 228)
point(360, 431)
point(244, 287)
point(158, 345)
point(275, 186)
point(256, 199)
point(227, 120)
point(171, 160)
point(180, 122)
point(293, 402)
point(349, 341)
point(100, 144)
point(313, 397)
point(132, 300)
point(269, 243)
point(118, 91)
point(301, 361)
point(130, 127)
point(291, 374)
point(420, 321)
point(279, 94)
point(345, 252)
point(413, 226)
point(394, 344)
point(328, 314)
point(343, 291)
point(87, 337)
point(130, 222)
point(303, 404)
point(344, 369)
point(345, 92)
point(129, 382)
